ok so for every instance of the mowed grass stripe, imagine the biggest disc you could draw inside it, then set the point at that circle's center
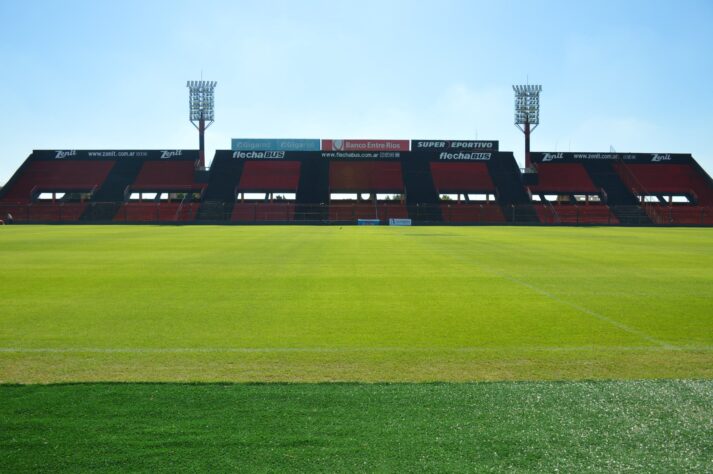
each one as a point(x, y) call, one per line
point(130, 350)
point(367, 366)
point(322, 303)
point(635, 426)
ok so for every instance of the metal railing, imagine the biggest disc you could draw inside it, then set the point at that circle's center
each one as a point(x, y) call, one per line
point(552, 209)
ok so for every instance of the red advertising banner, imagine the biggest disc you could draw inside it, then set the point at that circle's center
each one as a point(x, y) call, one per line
point(365, 145)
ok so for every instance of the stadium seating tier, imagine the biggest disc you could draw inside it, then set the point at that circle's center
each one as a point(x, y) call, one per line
point(365, 176)
point(461, 177)
point(103, 189)
point(58, 175)
point(563, 178)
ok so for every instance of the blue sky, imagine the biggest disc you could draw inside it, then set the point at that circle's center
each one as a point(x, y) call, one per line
point(635, 75)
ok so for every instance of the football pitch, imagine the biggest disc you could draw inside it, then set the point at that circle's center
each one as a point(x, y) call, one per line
point(313, 304)
point(567, 322)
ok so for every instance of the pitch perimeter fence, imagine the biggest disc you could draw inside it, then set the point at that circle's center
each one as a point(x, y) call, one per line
point(293, 213)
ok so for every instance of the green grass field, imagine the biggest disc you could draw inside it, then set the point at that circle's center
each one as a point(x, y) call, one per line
point(517, 305)
point(354, 304)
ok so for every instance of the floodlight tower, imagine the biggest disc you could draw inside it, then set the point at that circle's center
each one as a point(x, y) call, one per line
point(527, 113)
point(200, 104)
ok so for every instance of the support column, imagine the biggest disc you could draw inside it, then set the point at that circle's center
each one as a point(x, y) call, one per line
point(201, 143)
point(527, 144)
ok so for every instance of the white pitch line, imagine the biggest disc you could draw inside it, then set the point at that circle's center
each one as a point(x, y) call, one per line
point(591, 313)
point(575, 306)
point(335, 350)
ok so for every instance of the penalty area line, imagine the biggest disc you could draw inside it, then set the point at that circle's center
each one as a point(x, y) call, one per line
point(590, 312)
point(556, 298)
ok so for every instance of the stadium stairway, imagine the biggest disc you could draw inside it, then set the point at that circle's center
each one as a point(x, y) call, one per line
point(622, 202)
point(703, 173)
point(13, 179)
point(107, 200)
point(219, 197)
point(512, 196)
point(421, 195)
point(201, 176)
point(312, 191)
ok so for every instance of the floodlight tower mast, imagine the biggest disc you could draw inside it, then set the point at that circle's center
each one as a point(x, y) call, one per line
point(527, 113)
point(201, 110)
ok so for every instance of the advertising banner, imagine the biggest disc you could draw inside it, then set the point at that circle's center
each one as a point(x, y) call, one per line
point(115, 154)
point(562, 157)
point(365, 145)
point(275, 144)
point(350, 155)
point(400, 222)
point(368, 222)
point(464, 156)
point(469, 145)
point(259, 155)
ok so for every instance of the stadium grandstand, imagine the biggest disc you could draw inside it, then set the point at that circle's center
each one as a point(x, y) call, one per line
point(347, 181)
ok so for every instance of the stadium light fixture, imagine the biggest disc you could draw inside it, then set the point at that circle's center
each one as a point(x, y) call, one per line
point(527, 112)
point(201, 110)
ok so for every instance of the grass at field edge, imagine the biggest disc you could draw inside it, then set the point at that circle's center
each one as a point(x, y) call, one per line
point(646, 426)
point(352, 382)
